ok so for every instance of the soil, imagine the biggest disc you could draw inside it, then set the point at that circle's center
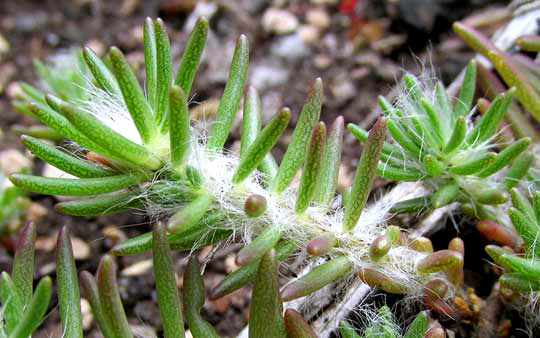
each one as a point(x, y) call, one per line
point(359, 53)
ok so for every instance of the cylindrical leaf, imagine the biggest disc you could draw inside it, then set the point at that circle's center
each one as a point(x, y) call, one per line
point(187, 217)
point(312, 168)
point(364, 176)
point(136, 103)
point(91, 293)
point(441, 260)
point(23, 264)
point(230, 101)
point(192, 55)
point(35, 310)
point(167, 291)
point(331, 163)
point(163, 74)
point(69, 297)
point(296, 325)
point(317, 278)
point(266, 310)
point(63, 160)
point(295, 155)
point(262, 145)
point(101, 205)
point(109, 298)
point(179, 126)
point(73, 187)
point(263, 243)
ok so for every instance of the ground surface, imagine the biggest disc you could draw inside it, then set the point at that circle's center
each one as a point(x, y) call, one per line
point(359, 48)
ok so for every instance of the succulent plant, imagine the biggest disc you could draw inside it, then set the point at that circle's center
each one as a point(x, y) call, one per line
point(66, 76)
point(440, 145)
point(521, 271)
point(142, 151)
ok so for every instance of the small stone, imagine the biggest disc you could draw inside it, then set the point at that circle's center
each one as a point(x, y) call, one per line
point(86, 312)
point(7, 71)
point(137, 269)
point(35, 212)
point(309, 34)
point(291, 48)
point(318, 17)
point(113, 234)
point(343, 89)
point(13, 161)
point(322, 61)
point(4, 46)
point(143, 331)
point(279, 21)
point(96, 46)
point(265, 75)
point(81, 250)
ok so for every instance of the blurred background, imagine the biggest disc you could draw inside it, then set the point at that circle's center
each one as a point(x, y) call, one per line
point(358, 47)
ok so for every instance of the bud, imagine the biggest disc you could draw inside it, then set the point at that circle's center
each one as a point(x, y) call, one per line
point(255, 205)
point(379, 248)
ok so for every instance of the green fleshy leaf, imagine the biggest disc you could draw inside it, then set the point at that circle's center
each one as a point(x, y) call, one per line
point(518, 170)
point(519, 282)
point(536, 205)
point(362, 136)
point(266, 310)
point(194, 300)
point(69, 297)
point(311, 174)
point(262, 145)
point(347, 330)
point(506, 156)
point(419, 326)
point(402, 139)
point(100, 205)
point(529, 43)
point(527, 229)
point(445, 194)
point(490, 120)
point(150, 62)
point(433, 166)
point(434, 120)
point(39, 132)
point(163, 74)
point(317, 278)
point(192, 56)
point(189, 216)
point(251, 119)
point(179, 125)
point(108, 138)
point(104, 77)
point(263, 243)
point(412, 205)
point(527, 267)
point(476, 40)
point(63, 127)
point(522, 204)
point(246, 274)
point(230, 101)
point(364, 176)
point(167, 291)
point(297, 326)
point(295, 155)
point(23, 263)
point(331, 162)
point(91, 293)
point(466, 93)
point(473, 165)
point(35, 311)
point(458, 136)
point(109, 297)
point(63, 160)
point(73, 187)
point(513, 76)
point(399, 174)
point(136, 103)
point(195, 238)
point(12, 306)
